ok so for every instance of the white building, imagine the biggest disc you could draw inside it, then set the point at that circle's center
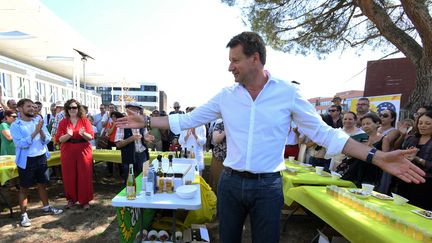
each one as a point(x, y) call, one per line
point(146, 94)
point(19, 80)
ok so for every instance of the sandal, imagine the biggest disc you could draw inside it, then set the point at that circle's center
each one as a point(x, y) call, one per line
point(69, 204)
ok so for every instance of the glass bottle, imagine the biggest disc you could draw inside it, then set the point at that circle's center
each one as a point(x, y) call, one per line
point(160, 176)
point(169, 179)
point(131, 184)
point(150, 184)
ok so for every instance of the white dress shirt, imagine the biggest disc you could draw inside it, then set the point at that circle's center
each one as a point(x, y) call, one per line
point(256, 130)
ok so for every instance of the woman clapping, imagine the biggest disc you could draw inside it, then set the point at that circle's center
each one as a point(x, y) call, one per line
point(74, 133)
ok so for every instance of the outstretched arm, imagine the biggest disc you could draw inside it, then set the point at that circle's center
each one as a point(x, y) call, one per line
point(135, 120)
point(393, 162)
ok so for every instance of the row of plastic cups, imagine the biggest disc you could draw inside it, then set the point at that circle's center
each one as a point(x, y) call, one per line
point(380, 214)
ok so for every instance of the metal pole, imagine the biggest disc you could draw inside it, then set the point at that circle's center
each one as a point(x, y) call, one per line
point(84, 79)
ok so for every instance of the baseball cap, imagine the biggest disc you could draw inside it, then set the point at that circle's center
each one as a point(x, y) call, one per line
point(59, 103)
point(133, 104)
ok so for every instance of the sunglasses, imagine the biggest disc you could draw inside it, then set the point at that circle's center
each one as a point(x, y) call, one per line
point(176, 107)
point(417, 114)
point(385, 115)
point(72, 108)
point(332, 110)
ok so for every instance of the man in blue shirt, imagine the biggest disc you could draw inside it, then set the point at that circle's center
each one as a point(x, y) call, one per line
point(31, 138)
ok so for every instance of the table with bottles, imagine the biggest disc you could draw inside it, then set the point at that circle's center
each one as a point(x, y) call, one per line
point(363, 219)
point(167, 199)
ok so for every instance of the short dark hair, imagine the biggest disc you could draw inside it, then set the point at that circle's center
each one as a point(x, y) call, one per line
point(251, 42)
point(352, 113)
point(365, 99)
point(21, 102)
point(116, 114)
point(38, 103)
point(338, 107)
point(374, 117)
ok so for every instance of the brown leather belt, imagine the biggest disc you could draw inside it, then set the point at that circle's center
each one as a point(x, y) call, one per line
point(249, 175)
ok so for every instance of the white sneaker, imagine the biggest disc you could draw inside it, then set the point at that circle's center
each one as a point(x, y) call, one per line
point(25, 221)
point(52, 210)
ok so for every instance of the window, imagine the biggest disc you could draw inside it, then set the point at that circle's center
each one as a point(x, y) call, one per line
point(6, 83)
point(24, 88)
point(40, 93)
point(144, 98)
point(149, 87)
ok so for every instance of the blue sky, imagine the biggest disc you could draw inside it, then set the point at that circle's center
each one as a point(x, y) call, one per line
point(180, 45)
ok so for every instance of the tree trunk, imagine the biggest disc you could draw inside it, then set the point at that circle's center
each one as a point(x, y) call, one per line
point(422, 94)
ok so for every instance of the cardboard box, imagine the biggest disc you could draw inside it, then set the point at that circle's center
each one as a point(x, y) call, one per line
point(329, 235)
point(197, 233)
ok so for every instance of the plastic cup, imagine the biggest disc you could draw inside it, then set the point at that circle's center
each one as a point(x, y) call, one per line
point(399, 200)
point(291, 158)
point(319, 169)
point(368, 188)
point(113, 148)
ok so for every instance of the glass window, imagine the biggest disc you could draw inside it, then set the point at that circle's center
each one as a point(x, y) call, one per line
point(6, 83)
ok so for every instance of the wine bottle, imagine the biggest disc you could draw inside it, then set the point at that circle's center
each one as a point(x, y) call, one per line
point(169, 179)
point(160, 176)
point(131, 184)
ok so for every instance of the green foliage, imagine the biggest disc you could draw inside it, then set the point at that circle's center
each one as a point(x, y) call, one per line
point(319, 26)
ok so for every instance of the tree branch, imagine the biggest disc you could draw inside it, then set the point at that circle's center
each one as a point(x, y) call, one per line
point(377, 15)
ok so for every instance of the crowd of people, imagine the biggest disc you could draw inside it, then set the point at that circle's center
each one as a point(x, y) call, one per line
point(246, 126)
point(382, 131)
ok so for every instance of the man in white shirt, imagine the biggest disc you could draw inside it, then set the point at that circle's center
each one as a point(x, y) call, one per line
point(257, 111)
point(97, 119)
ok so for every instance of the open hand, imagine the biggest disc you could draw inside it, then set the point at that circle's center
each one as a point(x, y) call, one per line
point(69, 131)
point(132, 120)
point(82, 131)
point(38, 127)
point(395, 163)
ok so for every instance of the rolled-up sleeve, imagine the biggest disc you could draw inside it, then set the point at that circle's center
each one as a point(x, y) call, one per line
point(199, 116)
point(311, 124)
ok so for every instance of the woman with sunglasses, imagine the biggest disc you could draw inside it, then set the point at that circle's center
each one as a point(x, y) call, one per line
point(388, 129)
point(7, 144)
point(74, 133)
point(420, 195)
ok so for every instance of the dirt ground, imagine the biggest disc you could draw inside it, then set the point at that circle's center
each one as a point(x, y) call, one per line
point(99, 224)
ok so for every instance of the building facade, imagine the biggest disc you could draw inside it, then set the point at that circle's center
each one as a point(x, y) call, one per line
point(146, 94)
point(19, 80)
point(322, 103)
point(163, 102)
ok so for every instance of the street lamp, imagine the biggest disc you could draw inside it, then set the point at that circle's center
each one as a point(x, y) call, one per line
point(84, 57)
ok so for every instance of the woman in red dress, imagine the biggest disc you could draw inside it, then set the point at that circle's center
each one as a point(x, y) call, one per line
point(74, 133)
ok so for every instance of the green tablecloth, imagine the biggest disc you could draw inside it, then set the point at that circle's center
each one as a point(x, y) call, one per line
point(8, 169)
point(354, 225)
point(307, 176)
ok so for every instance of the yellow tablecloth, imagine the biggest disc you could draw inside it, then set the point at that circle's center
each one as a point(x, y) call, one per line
point(354, 225)
point(307, 176)
point(8, 169)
